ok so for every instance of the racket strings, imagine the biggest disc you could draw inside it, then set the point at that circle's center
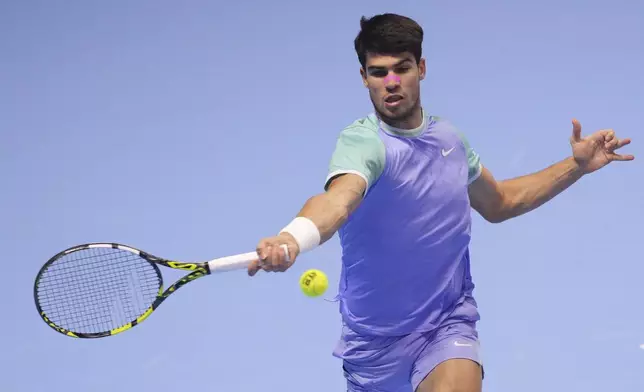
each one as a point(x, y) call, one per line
point(97, 289)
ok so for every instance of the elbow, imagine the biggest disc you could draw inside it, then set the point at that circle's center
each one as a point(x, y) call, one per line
point(496, 213)
point(495, 217)
point(341, 212)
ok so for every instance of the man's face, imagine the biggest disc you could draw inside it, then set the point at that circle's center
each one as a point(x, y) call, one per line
point(394, 84)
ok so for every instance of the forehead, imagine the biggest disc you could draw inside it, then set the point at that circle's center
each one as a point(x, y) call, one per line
point(375, 60)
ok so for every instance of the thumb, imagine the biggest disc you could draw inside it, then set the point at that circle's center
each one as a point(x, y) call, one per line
point(253, 268)
point(576, 130)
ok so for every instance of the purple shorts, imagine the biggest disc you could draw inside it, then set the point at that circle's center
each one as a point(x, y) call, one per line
point(375, 363)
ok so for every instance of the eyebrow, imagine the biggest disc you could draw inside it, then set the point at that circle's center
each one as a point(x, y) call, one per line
point(398, 64)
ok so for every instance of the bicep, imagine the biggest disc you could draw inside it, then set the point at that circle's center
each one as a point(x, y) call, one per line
point(486, 196)
point(330, 209)
point(358, 152)
point(347, 190)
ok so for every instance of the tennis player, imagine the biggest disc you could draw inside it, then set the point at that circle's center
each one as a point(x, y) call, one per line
point(399, 192)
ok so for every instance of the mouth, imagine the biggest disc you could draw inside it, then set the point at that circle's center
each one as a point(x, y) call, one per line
point(393, 100)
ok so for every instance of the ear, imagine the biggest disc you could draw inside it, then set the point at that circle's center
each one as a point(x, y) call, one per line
point(363, 75)
point(422, 69)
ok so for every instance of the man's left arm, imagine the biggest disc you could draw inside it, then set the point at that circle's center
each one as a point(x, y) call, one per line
point(498, 201)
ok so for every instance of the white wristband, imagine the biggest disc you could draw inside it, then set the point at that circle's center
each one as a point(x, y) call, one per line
point(305, 232)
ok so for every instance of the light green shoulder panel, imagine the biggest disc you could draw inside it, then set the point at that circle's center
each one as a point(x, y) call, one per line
point(359, 150)
point(473, 160)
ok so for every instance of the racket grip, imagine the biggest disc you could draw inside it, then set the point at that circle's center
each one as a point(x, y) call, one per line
point(235, 262)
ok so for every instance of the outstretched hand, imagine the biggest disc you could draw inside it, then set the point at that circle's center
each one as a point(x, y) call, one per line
point(597, 150)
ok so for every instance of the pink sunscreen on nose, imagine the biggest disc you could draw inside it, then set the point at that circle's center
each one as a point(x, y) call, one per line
point(392, 78)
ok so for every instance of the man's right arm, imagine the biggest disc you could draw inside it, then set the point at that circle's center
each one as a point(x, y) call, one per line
point(318, 220)
point(329, 210)
point(357, 162)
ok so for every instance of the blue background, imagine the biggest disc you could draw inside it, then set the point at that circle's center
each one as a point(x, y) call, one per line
point(192, 129)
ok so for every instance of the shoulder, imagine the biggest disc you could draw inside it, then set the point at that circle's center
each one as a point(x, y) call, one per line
point(358, 150)
point(443, 124)
point(361, 135)
point(473, 159)
point(365, 127)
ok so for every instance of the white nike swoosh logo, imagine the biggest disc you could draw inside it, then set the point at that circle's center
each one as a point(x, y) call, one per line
point(459, 344)
point(447, 152)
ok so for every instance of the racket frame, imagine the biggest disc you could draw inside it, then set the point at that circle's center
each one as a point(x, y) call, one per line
point(197, 270)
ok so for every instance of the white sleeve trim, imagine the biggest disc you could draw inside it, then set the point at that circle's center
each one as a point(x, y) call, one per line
point(338, 172)
point(476, 176)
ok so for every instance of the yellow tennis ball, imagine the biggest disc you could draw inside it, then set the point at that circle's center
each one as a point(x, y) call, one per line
point(313, 282)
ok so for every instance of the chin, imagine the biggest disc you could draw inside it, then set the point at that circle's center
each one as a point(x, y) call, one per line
point(400, 114)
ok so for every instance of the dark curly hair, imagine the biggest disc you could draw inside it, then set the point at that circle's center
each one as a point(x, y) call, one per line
point(388, 34)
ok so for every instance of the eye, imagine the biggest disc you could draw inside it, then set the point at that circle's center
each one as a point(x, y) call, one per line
point(379, 73)
point(402, 70)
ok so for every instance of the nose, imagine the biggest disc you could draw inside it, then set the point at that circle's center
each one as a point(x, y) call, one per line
point(392, 80)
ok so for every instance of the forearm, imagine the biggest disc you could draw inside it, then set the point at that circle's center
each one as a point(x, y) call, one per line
point(322, 215)
point(525, 193)
point(329, 211)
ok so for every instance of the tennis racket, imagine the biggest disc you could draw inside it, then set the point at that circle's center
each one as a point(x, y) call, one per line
point(102, 289)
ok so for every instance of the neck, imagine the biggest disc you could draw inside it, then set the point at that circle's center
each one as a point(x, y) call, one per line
point(413, 121)
point(409, 127)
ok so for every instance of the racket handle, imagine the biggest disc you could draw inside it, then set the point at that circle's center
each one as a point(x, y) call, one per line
point(235, 262)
